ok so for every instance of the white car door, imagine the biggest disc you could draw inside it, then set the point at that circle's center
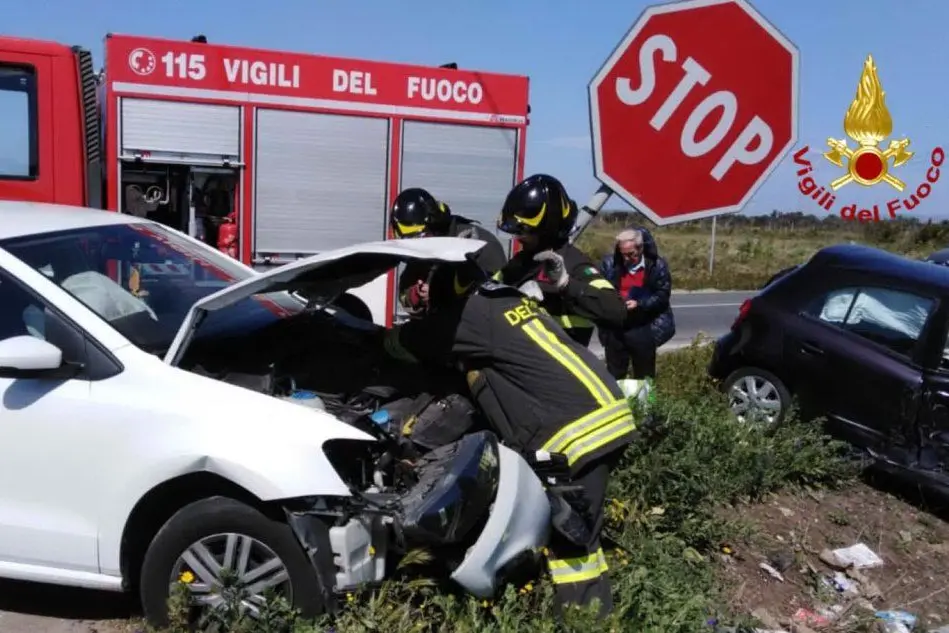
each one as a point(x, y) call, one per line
point(50, 450)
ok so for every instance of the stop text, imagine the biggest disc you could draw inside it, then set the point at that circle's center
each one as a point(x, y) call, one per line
point(753, 144)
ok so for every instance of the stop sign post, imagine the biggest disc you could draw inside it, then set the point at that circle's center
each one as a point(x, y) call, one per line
point(693, 110)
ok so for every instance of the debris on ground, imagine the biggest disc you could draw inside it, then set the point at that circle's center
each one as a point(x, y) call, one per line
point(852, 560)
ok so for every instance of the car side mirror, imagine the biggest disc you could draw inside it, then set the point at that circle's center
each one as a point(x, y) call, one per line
point(30, 357)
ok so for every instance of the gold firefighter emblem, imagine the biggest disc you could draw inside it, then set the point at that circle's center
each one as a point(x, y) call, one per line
point(868, 122)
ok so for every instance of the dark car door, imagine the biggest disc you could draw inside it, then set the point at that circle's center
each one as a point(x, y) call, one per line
point(933, 419)
point(859, 348)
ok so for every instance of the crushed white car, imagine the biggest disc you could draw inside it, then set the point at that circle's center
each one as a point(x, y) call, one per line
point(151, 429)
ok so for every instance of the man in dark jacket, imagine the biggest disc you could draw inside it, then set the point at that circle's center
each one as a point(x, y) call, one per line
point(416, 213)
point(541, 215)
point(643, 280)
point(544, 394)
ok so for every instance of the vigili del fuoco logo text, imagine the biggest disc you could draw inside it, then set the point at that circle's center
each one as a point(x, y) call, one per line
point(868, 123)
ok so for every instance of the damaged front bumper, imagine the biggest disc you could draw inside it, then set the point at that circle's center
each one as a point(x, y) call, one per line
point(519, 523)
point(353, 554)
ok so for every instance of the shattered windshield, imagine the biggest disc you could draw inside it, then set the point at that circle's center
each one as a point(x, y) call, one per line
point(143, 279)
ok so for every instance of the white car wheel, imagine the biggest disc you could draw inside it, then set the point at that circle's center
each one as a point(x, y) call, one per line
point(227, 551)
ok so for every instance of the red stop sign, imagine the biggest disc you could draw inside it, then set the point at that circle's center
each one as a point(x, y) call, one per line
point(694, 109)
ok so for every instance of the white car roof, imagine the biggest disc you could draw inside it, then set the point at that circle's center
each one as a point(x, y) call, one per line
point(18, 218)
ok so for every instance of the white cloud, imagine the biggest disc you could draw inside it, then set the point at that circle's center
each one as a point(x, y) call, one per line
point(569, 142)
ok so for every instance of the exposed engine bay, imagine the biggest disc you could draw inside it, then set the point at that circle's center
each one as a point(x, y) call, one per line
point(431, 480)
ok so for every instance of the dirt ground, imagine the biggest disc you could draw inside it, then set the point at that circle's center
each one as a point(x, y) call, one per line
point(32, 608)
point(789, 534)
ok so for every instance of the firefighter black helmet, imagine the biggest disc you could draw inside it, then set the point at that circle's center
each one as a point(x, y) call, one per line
point(570, 220)
point(417, 213)
point(538, 205)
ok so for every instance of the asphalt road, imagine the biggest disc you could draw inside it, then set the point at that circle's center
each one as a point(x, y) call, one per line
point(706, 313)
point(33, 608)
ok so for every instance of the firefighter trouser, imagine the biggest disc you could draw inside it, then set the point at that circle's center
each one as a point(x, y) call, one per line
point(579, 573)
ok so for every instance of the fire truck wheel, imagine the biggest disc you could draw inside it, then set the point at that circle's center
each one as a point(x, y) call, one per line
point(219, 542)
point(354, 305)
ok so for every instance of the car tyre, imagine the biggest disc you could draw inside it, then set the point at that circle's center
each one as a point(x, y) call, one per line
point(220, 518)
point(765, 396)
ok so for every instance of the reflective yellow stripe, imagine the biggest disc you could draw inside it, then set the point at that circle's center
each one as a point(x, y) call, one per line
point(394, 348)
point(547, 341)
point(581, 569)
point(572, 321)
point(601, 284)
point(410, 229)
point(590, 423)
point(496, 276)
point(595, 440)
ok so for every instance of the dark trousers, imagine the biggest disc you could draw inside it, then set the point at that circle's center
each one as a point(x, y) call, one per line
point(634, 345)
point(579, 573)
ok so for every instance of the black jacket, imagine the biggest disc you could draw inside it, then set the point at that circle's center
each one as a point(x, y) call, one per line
point(538, 388)
point(655, 309)
point(588, 300)
point(491, 258)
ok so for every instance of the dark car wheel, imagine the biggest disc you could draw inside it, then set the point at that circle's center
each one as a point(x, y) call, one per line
point(203, 540)
point(757, 396)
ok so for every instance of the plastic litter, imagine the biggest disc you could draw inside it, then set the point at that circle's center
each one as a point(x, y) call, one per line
point(896, 621)
point(842, 583)
point(642, 392)
point(810, 618)
point(859, 556)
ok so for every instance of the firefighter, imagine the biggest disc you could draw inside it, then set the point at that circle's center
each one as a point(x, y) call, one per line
point(416, 213)
point(540, 391)
point(541, 215)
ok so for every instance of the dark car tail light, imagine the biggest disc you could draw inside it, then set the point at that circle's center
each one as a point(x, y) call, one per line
point(742, 313)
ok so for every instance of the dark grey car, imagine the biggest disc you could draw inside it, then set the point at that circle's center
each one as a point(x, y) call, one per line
point(857, 335)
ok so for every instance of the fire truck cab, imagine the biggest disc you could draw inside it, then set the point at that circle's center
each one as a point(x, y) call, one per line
point(267, 155)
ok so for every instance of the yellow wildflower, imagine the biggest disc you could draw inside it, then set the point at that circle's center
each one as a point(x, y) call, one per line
point(186, 577)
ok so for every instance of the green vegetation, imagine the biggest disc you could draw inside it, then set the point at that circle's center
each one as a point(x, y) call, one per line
point(670, 491)
point(750, 249)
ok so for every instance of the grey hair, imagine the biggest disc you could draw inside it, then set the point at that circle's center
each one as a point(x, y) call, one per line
point(630, 235)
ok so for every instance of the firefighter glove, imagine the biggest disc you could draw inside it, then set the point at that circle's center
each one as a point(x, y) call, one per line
point(555, 270)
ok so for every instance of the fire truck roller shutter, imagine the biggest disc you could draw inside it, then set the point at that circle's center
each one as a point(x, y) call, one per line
point(320, 184)
point(209, 131)
point(470, 167)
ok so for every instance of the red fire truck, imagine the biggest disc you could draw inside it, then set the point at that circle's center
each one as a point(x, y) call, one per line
point(304, 152)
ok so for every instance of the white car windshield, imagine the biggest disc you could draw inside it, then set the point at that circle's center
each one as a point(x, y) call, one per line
point(143, 279)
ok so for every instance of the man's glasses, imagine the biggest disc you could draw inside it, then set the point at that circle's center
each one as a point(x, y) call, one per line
point(631, 253)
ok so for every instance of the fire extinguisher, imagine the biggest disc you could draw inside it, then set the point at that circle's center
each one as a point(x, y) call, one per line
point(227, 235)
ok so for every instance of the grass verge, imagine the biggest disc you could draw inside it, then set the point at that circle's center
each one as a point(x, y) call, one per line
point(670, 488)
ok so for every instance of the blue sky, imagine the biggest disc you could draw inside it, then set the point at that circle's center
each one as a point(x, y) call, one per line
point(560, 44)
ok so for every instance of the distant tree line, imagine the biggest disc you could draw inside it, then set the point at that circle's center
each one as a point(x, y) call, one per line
point(904, 230)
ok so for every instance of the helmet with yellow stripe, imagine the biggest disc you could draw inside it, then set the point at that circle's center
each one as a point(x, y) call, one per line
point(416, 213)
point(538, 205)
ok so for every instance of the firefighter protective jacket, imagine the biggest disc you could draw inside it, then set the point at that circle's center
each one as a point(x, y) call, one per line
point(538, 388)
point(588, 299)
point(491, 258)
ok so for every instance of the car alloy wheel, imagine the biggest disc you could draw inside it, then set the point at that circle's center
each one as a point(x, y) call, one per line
point(232, 564)
point(755, 399)
point(228, 554)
